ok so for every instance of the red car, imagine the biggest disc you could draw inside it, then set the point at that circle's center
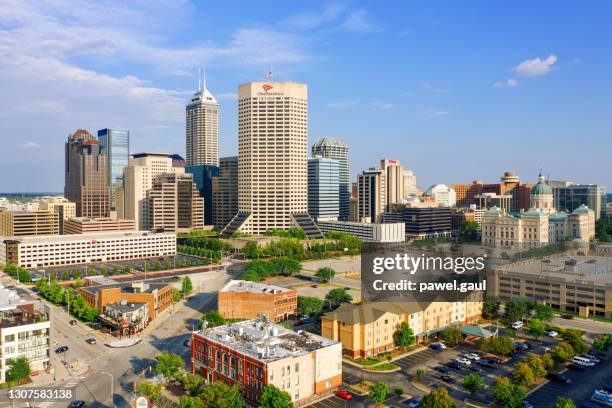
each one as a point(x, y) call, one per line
point(344, 394)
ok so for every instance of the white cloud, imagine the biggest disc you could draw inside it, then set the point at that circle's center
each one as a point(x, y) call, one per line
point(509, 83)
point(41, 106)
point(29, 146)
point(536, 66)
point(344, 104)
point(359, 21)
point(378, 106)
point(434, 113)
point(307, 21)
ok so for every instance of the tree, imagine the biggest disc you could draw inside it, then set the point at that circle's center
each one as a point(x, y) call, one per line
point(157, 266)
point(564, 403)
point(452, 335)
point(468, 230)
point(535, 328)
point(507, 394)
point(337, 296)
point(537, 365)
point(19, 369)
point(287, 266)
point(220, 395)
point(603, 343)
point(547, 361)
point(574, 338)
point(523, 375)
point(251, 250)
point(169, 365)
point(516, 310)
point(562, 352)
point(498, 345)
point(191, 402)
point(398, 391)
point(186, 286)
point(403, 337)
point(192, 383)
point(543, 312)
point(473, 382)
point(378, 392)
point(149, 389)
point(78, 282)
point(325, 274)
point(309, 305)
point(420, 374)
point(176, 295)
point(273, 397)
point(250, 276)
point(438, 399)
point(126, 269)
point(490, 309)
point(213, 318)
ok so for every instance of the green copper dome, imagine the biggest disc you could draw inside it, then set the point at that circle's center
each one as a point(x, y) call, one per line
point(541, 188)
point(583, 209)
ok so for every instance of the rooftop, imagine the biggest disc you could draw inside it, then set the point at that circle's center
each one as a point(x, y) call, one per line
point(124, 307)
point(12, 297)
point(101, 280)
point(370, 312)
point(128, 287)
point(265, 341)
point(94, 236)
point(255, 287)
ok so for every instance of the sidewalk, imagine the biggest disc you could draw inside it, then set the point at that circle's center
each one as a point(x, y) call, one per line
point(400, 356)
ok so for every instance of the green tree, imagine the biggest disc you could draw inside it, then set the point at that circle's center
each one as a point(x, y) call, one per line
point(157, 266)
point(378, 392)
point(169, 365)
point(250, 276)
point(523, 375)
point(149, 389)
point(507, 394)
point(420, 374)
point(19, 369)
point(498, 345)
point(438, 399)
point(537, 365)
point(490, 309)
point(273, 397)
point(325, 274)
point(191, 402)
point(564, 403)
point(468, 230)
point(337, 296)
point(251, 250)
point(473, 382)
point(213, 318)
point(287, 266)
point(516, 310)
point(574, 338)
point(603, 343)
point(177, 295)
point(78, 282)
point(309, 305)
point(115, 269)
point(403, 337)
point(547, 360)
point(452, 335)
point(56, 293)
point(535, 328)
point(543, 312)
point(192, 383)
point(562, 352)
point(126, 269)
point(186, 286)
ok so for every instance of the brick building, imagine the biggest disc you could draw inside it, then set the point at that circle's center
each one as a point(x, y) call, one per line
point(247, 300)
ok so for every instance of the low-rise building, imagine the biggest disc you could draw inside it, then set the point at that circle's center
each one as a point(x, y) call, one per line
point(61, 250)
point(422, 221)
point(391, 232)
point(25, 326)
point(82, 225)
point(241, 299)
point(126, 318)
point(366, 329)
point(157, 296)
point(255, 353)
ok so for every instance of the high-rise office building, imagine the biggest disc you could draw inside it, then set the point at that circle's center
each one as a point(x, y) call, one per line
point(115, 145)
point(371, 195)
point(272, 156)
point(202, 129)
point(61, 208)
point(225, 192)
point(138, 178)
point(394, 181)
point(569, 198)
point(410, 187)
point(86, 179)
point(332, 148)
point(323, 188)
point(202, 177)
point(174, 204)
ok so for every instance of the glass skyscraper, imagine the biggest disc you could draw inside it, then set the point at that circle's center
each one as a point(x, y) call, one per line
point(323, 188)
point(332, 148)
point(568, 198)
point(115, 144)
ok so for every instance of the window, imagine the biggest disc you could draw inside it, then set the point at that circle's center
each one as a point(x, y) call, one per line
point(9, 338)
point(297, 367)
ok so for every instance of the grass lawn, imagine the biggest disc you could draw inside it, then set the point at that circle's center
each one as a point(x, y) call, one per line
point(383, 367)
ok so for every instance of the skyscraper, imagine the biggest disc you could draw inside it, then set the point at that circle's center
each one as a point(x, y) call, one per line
point(571, 197)
point(410, 187)
point(332, 148)
point(86, 179)
point(202, 177)
point(202, 129)
point(323, 188)
point(394, 181)
point(371, 195)
point(115, 145)
point(225, 192)
point(272, 156)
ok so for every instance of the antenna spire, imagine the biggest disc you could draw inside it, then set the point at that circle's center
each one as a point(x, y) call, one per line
point(199, 79)
point(204, 80)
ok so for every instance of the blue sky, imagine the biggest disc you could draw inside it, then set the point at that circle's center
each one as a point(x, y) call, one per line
point(456, 91)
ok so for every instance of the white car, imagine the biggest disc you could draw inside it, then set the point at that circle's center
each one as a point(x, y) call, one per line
point(463, 361)
point(602, 397)
point(552, 333)
point(472, 356)
point(517, 325)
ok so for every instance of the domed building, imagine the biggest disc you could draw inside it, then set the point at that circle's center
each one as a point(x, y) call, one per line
point(542, 196)
point(442, 194)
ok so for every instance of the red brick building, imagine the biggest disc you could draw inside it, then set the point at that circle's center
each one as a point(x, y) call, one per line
point(247, 300)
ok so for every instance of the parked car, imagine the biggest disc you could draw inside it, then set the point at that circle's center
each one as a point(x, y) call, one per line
point(472, 356)
point(76, 404)
point(583, 361)
point(494, 360)
point(484, 363)
point(463, 361)
point(91, 340)
point(601, 397)
point(61, 349)
point(568, 316)
point(591, 357)
point(475, 369)
point(344, 394)
point(527, 404)
point(598, 354)
point(552, 333)
point(454, 365)
point(436, 347)
point(443, 370)
point(448, 379)
point(517, 325)
point(608, 388)
point(413, 402)
point(560, 378)
point(522, 345)
point(576, 367)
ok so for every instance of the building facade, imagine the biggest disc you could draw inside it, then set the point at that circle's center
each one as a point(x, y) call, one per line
point(421, 222)
point(367, 232)
point(174, 204)
point(61, 250)
point(86, 177)
point(225, 192)
point(568, 198)
point(393, 177)
point(371, 195)
point(442, 194)
point(324, 188)
point(115, 143)
point(203, 176)
point(332, 148)
point(241, 299)
point(254, 353)
point(82, 225)
point(61, 208)
point(20, 223)
point(202, 129)
point(410, 186)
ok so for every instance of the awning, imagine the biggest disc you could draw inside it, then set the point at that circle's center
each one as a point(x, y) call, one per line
point(476, 331)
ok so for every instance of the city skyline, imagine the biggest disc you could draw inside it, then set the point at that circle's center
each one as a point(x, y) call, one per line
point(433, 91)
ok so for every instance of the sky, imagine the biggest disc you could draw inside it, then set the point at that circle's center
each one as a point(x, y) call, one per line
point(455, 91)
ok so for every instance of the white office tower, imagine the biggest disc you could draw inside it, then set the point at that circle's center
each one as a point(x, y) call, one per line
point(272, 157)
point(410, 187)
point(202, 129)
point(394, 181)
